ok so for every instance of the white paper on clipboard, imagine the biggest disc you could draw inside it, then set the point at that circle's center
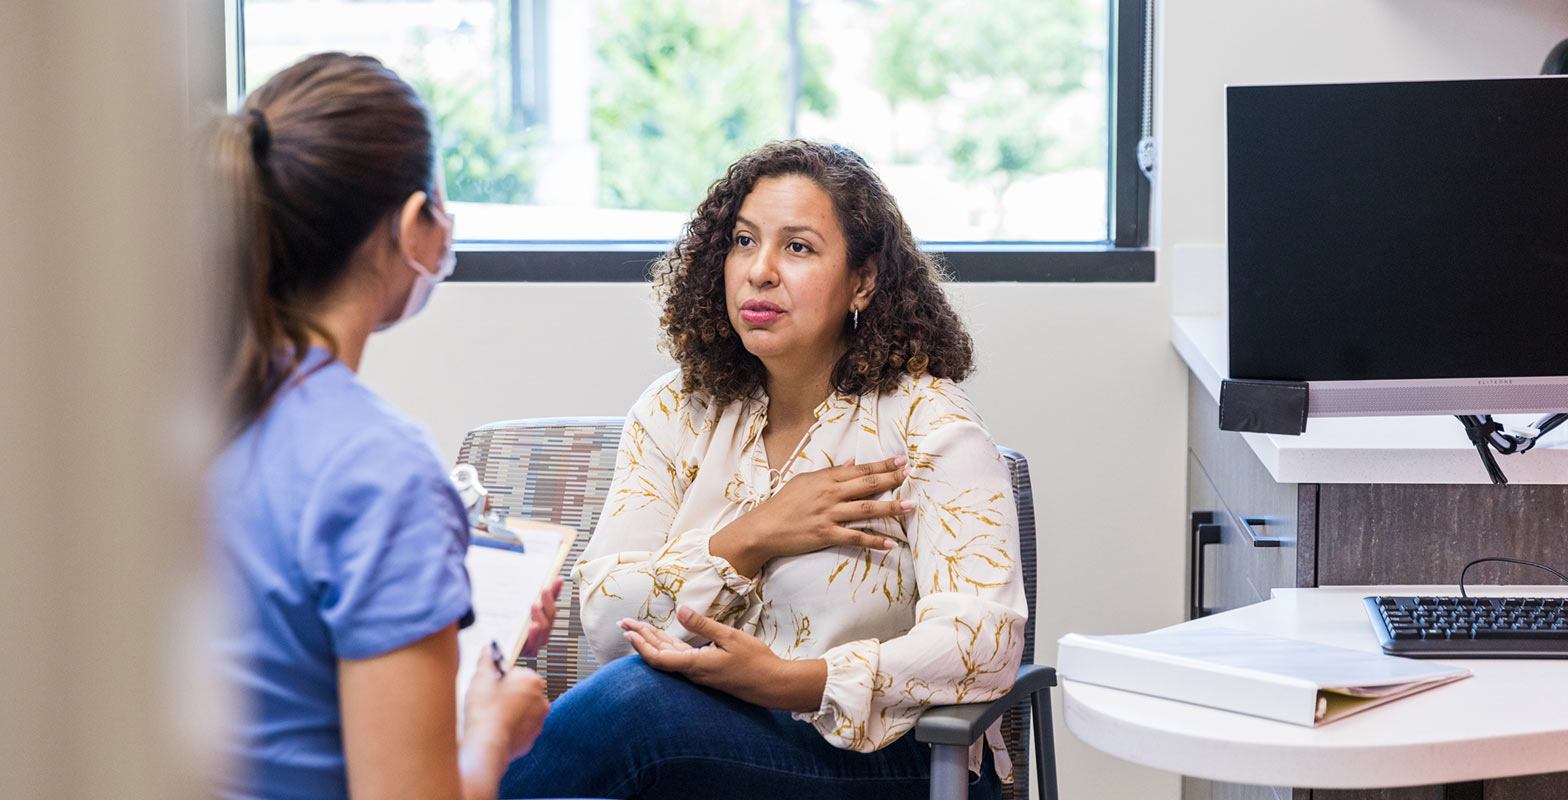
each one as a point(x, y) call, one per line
point(506, 579)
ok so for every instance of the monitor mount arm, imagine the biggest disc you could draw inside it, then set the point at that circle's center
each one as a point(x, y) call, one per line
point(1488, 435)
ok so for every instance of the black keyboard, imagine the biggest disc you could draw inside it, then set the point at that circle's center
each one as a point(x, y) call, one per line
point(1471, 627)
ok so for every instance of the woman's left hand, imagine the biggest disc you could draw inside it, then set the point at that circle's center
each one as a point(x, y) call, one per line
point(735, 662)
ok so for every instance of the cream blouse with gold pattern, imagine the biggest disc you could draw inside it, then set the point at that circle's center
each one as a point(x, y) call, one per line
point(937, 619)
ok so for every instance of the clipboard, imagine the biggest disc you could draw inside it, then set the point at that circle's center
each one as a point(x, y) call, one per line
point(507, 569)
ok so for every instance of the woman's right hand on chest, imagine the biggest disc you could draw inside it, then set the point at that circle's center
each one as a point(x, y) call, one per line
point(811, 513)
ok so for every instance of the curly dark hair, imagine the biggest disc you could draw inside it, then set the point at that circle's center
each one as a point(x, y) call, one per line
point(907, 327)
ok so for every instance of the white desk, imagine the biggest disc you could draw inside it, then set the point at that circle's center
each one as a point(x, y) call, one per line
point(1510, 718)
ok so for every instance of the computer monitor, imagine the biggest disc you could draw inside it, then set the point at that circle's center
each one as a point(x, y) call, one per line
point(1402, 247)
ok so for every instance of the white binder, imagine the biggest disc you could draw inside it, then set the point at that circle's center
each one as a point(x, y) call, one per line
point(1290, 680)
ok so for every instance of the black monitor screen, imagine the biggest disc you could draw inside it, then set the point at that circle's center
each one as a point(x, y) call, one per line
point(1385, 231)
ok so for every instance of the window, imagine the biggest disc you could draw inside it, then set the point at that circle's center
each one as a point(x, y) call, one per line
point(569, 125)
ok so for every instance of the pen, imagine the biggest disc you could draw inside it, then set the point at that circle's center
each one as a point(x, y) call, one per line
point(495, 657)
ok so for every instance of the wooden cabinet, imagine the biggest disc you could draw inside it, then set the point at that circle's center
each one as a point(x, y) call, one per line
point(1249, 534)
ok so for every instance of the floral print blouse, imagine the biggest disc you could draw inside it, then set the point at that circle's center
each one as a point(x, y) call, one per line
point(937, 619)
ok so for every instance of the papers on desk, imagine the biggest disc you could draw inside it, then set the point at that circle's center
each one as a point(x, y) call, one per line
point(1252, 673)
point(507, 570)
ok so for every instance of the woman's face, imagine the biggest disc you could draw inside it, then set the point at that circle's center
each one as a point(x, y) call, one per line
point(787, 282)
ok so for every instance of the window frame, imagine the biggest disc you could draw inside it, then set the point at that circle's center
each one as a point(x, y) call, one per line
point(1125, 257)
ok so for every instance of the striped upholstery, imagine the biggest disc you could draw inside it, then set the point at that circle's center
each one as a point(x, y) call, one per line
point(560, 470)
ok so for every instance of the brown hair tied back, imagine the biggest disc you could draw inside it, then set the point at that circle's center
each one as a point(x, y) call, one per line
point(260, 135)
point(319, 157)
point(906, 328)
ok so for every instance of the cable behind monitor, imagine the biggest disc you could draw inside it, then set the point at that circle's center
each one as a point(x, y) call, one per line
point(1488, 435)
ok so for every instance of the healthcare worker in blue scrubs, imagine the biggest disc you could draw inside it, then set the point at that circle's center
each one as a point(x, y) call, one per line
point(339, 535)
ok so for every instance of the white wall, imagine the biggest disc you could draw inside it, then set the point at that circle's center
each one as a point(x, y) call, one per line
point(1080, 378)
point(1207, 44)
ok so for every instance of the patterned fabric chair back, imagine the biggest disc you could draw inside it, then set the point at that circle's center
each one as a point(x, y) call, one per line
point(560, 470)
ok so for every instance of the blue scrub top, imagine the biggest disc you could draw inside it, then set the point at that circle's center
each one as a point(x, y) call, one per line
point(339, 536)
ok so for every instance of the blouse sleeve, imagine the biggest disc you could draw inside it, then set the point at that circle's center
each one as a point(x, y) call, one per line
point(968, 635)
point(635, 565)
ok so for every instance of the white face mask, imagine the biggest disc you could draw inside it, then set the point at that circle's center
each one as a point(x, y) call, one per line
point(425, 282)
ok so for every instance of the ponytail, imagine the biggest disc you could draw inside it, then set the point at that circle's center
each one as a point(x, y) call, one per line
point(318, 156)
point(251, 379)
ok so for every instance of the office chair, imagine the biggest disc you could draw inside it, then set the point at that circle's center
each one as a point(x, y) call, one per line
point(950, 730)
point(560, 470)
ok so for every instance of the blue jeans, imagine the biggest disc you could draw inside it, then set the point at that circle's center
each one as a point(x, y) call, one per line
point(632, 731)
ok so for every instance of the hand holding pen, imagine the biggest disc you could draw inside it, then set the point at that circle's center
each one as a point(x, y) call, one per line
point(506, 706)
point(512, 703)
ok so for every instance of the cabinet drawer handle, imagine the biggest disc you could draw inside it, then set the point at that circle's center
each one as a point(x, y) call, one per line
point(1251, 526)
point(1205, 531)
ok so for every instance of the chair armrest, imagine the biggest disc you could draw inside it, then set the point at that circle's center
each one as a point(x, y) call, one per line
point(963, 724)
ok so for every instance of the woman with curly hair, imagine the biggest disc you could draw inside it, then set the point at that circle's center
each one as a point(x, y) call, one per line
point(810, 536)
